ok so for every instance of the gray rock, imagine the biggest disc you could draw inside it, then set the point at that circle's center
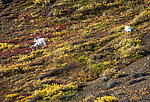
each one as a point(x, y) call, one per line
point(105, 79)
point(135, 75)
point(135, 81)
point(140, 74)
point(125, 99)
point(111, 84)
point(99, 56)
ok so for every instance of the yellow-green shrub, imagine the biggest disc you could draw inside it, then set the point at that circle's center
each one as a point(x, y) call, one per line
point(41, 1)
point(106, 99)
point(128, 46)
point(142, 17)
point(12, 95)
point(33, 55)
point(4, 46)
point(54, 91)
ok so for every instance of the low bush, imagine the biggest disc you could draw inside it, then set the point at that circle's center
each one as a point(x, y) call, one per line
point(106, 99)
point(43, 2)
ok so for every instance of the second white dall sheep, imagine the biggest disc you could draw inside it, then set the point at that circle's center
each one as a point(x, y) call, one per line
point(128, 29)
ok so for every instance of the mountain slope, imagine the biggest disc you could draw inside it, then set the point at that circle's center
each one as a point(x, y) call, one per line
point(87, 49)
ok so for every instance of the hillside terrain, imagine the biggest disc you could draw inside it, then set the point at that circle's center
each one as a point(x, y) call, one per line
point(88, 56)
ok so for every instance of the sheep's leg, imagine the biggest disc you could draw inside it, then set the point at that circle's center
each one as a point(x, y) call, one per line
point(36, 47)
point(31, 48)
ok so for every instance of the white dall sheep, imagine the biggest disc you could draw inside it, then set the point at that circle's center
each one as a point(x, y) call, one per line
point(39, 42)
point(128, 29)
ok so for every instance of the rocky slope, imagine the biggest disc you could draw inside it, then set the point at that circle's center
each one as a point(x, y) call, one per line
point(88, 56)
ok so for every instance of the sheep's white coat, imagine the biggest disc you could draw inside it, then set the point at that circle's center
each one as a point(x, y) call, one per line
point(39, 42)
point(128, 29)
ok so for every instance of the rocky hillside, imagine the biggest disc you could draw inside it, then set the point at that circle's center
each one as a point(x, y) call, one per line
point(88, 56)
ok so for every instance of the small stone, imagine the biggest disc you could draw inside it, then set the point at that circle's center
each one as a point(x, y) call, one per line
point(94, 57)
point(135, 81)
point(121, 93)
point(145, 65)
point(112, 84)
point(122, 75)
point(105, 79)
point(143, 74)
point(117, 58)
point(125, 99)
point(99, 56)
point(135, 75)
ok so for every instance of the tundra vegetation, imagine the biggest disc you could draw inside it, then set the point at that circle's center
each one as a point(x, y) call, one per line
point(85, 39)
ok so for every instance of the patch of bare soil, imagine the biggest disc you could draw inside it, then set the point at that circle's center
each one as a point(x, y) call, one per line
point(146, 41)
point(131, 84)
